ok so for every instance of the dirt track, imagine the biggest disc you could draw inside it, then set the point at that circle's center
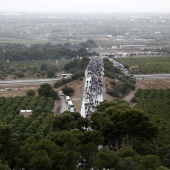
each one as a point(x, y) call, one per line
point(148, 84)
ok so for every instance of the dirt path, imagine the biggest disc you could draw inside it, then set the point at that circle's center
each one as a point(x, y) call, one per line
point(148, 84)
point(56, 107)
point(129, 96)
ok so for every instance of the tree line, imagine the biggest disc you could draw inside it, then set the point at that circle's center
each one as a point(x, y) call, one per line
point(18, 52)
point(69, 145)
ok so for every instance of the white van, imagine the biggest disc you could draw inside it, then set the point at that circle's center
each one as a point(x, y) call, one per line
point(68, 99)
point(70, 104)
point(72, 109)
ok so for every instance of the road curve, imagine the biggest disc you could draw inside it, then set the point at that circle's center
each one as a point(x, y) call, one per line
point(27, 82)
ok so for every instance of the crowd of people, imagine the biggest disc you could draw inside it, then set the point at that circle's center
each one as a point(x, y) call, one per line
point(93, 91)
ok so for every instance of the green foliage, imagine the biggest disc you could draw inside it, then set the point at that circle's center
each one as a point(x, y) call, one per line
point(69, 120)
point(4, 167)
point(44, 142)
point(156, 103)
point(67, 90)
point(147, 65)
point(46, 90)
point(107, 159)
point(44, 67)
point(50, 74)
point(123, 85)
point(41, 52)
point(39, 122)
point(30, 92)
point(88, 44)
point(77, 67)
point(150, 162)
point(119, 122)
point(61, 82)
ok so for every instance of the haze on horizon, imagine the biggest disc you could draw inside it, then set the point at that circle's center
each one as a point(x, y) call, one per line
point(86, 6)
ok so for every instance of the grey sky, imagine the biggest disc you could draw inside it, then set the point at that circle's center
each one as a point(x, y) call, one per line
point(102, 6)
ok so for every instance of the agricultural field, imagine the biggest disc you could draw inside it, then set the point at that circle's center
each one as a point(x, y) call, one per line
point(31, 69)
point(147, 65)
point(156, 104)
point(38, 123)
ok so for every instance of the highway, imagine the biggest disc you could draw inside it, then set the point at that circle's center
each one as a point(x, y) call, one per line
point(151, 76)
point(27, 82)
point(51, 81)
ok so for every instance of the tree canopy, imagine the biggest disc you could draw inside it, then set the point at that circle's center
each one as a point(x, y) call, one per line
point(118, 122)
point(47, 90)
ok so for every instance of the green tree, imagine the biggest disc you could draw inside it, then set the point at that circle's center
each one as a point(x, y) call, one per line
point(30, 92)
point(69, 120)
point(130, 163)
point(119, 122)
point(50, 74)
point(67, 90)
point(44, 67)
point(127, 152)
point(47, 90)
point(41, 160)
point(162, 168)
point(150, 162)
point(4, 167)
point(107, 159)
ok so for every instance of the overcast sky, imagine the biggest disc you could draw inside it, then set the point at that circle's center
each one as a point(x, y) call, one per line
point(91, 6)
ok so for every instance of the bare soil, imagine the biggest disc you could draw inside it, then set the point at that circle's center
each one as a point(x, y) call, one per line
point(148, 84)
point(20, 91)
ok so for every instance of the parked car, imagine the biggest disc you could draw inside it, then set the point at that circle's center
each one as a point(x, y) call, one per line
point(72, 109)
point(70, 104)
point(61, 93)
point(68, 99)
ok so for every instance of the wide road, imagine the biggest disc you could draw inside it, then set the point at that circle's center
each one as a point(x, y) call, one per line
point(27, 82)
point(151, 76)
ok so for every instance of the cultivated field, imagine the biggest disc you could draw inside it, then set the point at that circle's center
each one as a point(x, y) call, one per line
point(147, 65)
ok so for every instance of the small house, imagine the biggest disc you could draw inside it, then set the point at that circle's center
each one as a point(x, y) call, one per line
point(26, 113)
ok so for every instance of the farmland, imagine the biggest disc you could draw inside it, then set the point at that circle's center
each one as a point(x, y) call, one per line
point(38, 123)
point(156, 104)
point(147, 65)
point(30, 69)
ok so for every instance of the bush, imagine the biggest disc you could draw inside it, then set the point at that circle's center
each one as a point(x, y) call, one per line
point(30, 92)
point(61, 82)
point(78, 75)
point(67, 90)
point(50, 74)
point(134, 99)
point(112, 93)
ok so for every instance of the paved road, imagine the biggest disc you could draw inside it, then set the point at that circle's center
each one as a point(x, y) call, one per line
point(94, 95)
point(63, 105)
point(152, 76)
point(27, 82)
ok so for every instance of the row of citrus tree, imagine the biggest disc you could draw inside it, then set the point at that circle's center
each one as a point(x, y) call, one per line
point(147, 65)
point(156, 104)
point(39, 122)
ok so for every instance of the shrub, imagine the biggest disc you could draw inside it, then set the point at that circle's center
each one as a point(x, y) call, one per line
point(30, 92)
point(67, 90)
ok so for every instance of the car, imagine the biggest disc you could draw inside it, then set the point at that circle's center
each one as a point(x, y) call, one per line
point(72, 109)
point(68, 99)
point(70, 104)
point(61, 93)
